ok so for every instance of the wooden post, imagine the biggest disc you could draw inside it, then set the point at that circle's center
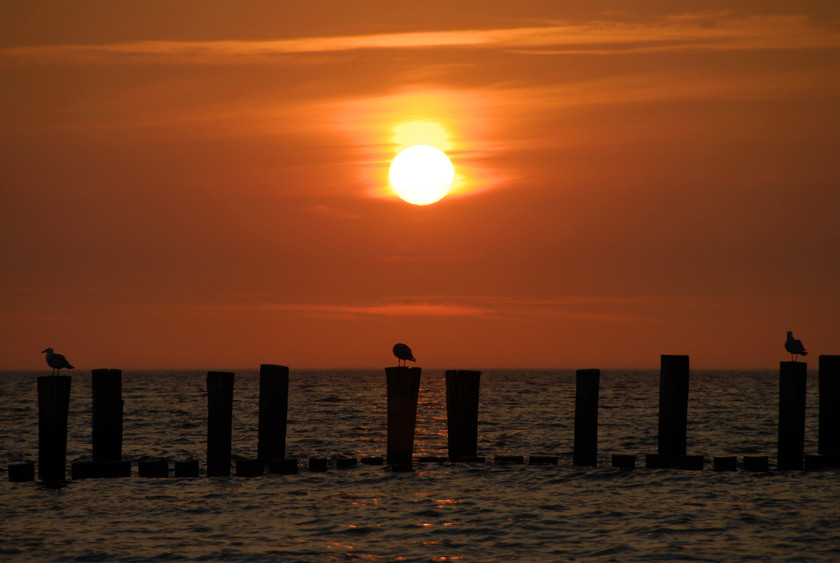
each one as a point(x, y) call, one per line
point(106, 388)
point(274, 406)
point(673, 406)
point(829, 433)
point(792, 380)
point(219, 422)
point(53, 407)
point(462, 412)
point(403, 388)
point(586, 417)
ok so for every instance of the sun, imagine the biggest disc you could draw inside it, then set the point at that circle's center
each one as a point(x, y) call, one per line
point(421, 174)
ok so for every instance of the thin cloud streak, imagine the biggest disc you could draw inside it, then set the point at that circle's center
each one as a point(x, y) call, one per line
point(597, 38)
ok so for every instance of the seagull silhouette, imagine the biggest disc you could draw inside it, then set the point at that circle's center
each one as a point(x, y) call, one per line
point(794, 346)
point(56, 361)
point(403, 352)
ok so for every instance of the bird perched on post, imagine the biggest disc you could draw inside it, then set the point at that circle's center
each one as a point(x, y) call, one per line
point(403, 352)
point(794, 346)
point(56, 361)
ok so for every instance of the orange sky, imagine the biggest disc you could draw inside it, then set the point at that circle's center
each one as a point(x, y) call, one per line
point(205, 185)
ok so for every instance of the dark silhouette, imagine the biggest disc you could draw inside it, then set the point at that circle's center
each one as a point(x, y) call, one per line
point(403, 352)
point(56, 361)
point(794, 346)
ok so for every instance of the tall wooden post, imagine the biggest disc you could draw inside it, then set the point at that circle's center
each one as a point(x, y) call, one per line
point(586, 416)
point(274, 407)
point(462, 412)
point(792, 380)
point(673, 406)
point(403, 388)
point(53, 408)
point(829, 433)
point(108, 404)
point(219, 422)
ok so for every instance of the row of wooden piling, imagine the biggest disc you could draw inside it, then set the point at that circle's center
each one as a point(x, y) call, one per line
point(403, 385)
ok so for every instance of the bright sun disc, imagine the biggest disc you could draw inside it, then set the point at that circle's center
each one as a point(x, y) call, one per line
point(421, 174)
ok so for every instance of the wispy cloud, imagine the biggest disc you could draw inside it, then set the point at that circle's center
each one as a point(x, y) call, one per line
point(712, 33)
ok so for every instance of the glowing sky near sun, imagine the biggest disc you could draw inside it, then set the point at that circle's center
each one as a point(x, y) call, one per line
point(206, 179)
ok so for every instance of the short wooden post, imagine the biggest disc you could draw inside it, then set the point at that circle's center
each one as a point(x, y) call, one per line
point(106, 388)
point(219, 422)
point(153, 468)
point(22, 472)
point(317, 464)
point(673, 406)
point(792, 380)
point(53, 407)
point(250, 468)
point(586, 417)
point(829, 431)
point(624, 461)
point(403, 388)
point(274, 406)
point(186, 468)
point(725, 463)
point(462, 412)
point(756, 463)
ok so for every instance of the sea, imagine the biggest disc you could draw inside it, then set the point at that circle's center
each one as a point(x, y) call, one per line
point(439, 511)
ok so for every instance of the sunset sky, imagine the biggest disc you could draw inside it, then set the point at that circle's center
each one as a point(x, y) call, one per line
point(205, 184)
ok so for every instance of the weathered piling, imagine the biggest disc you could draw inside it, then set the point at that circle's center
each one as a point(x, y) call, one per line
point(586, 417)
point(106, 389)
point(673, 406)
point(462, 388)
point(274, 407)
point(22, 472)
point(53, 407)
point(219, 422)
point(829, 421)
point(792, 380)
point(403, 388)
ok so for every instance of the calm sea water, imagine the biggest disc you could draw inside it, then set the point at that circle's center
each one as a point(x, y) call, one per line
point(439, 512)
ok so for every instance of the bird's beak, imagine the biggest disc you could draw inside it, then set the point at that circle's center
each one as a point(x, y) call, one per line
point(44, 352)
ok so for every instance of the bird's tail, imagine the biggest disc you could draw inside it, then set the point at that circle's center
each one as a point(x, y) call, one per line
point(412, 359)
point(803, 353)
point(68, 366)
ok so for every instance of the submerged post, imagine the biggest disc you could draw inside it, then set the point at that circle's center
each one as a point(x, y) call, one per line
point(462, 412)
point(274, 407)
point(403, 388)
point(673, 406)
point(53, 407)
point(106, 389)
point(219, 422)
point(586, 416)
point(829, 433)
point(792, 380)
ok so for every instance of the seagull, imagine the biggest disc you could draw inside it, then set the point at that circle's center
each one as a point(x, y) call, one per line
point(56, 361)
point(794, 346)
point(403, 352)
